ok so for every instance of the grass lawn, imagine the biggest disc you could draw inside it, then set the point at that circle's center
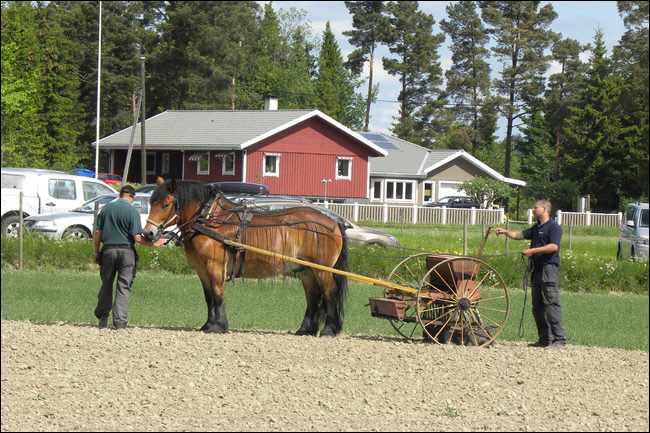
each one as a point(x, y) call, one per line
point(170, 300)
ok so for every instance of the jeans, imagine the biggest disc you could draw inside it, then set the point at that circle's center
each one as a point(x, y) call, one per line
point(546, 305)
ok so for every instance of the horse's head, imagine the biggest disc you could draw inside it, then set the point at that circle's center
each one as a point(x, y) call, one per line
point(163, 210)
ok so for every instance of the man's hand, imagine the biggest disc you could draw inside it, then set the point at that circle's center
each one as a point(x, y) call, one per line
point(500, 231)
point(160, 242)
point(528, 252)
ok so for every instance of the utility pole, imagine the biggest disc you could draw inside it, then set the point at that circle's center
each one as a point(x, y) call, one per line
point(142, 140)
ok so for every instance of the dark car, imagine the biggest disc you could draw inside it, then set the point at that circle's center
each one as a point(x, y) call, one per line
point(455, 202)
point(228, 188)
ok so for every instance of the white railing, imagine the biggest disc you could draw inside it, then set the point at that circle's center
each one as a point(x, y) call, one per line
point(585, 218)
point(416, 214)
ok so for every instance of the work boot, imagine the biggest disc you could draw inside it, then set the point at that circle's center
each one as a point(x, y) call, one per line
point(557, 344)
point(103, 322)
point(539, 343)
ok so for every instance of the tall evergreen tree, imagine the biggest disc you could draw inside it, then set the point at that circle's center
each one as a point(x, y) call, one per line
point(597, 153)
point(335, 87)
point(562, 90)
point(468, 79)
point(369, 23)
point(520, 30)
point(410, 37)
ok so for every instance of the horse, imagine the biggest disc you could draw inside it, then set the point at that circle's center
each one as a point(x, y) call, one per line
point(299, 232)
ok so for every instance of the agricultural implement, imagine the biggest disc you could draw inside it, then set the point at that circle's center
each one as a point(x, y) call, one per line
point(441, 298)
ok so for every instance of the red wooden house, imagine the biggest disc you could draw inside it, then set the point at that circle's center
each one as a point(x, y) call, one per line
point(293, 152)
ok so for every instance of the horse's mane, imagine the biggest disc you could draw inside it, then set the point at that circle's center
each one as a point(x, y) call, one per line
point(186, 192)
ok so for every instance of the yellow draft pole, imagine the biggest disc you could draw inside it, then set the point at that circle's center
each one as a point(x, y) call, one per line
point(350, 275)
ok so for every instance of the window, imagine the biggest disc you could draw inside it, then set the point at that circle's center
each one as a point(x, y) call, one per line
point(151, 163)
point(92, 190)
point(271, 164)
point(343, 167)
point(62, 189)
point(228, 164)
point(428, 192)
point(165, 163)
point(12, 181)
point(399, 191)
point(141, 205)
point(376, 190)
point(203, 164)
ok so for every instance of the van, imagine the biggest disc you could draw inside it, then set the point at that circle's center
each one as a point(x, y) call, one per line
point(633, 233)
point(44, 191)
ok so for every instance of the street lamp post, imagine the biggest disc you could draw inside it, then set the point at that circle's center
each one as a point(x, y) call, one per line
point(326, 181)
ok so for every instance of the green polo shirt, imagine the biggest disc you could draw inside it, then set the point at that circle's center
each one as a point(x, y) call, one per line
point(119, 222)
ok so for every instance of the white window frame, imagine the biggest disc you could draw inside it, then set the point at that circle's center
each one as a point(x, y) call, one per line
point(343, 158)
point(433, 192)
point(277, 165)
point(404, 182)
point(372, 189)
point(223, 164)
point(165, 163)
point(198, 165)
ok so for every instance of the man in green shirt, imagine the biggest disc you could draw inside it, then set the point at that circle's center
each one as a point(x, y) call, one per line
point(118, 227)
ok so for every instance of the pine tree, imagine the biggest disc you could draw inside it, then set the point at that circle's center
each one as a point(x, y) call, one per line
point(520, 30)
point(468, 79)
point(369, 23)
point(410, 37)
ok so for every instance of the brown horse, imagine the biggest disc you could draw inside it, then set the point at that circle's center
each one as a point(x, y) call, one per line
point(301, 232)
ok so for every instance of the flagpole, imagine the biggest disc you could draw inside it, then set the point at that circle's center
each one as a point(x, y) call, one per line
point(99, 78)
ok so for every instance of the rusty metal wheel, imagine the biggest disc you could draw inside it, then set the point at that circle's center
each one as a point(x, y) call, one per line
point(409, 272)
point(461, 300)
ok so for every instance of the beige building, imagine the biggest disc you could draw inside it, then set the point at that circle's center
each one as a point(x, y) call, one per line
point(413, 174)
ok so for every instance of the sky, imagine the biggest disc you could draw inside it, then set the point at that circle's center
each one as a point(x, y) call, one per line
point(576, 19)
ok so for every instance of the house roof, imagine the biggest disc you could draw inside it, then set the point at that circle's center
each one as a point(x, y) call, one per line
point(220, 129)
point(408, 160)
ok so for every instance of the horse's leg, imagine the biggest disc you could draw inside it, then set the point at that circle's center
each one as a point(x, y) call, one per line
point(333, 310)
point(218, 321)
point(313, 313)
point(208, 300)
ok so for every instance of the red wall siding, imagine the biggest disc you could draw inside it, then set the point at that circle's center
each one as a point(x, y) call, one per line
point(215, 168)
point(308, 154)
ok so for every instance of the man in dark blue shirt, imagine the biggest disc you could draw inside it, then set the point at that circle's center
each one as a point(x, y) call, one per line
point(544, 251)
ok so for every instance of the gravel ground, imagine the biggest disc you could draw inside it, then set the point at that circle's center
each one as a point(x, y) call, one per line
point(68, 377)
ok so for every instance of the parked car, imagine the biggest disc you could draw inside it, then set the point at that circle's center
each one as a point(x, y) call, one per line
point(110, 178)
point(633, 233)
point(44, 192)
point(78, 223)
point(357, 235)
point(82, 172)
point(228, 188)
point(455, 202)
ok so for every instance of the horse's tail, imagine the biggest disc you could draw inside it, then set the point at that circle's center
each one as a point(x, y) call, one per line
point(342, 264)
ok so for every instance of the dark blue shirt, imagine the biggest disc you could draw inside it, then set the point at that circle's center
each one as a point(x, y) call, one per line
point(540, 235)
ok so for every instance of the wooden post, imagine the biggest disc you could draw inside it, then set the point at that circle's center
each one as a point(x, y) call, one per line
point(95, 212)
point(20, 231)
point(507, 245)
point(465, 236)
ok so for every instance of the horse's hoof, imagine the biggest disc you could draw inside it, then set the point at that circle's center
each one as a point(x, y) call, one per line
point(301, 332)
point(328, 332)
point(215, 329)
point(204, 327)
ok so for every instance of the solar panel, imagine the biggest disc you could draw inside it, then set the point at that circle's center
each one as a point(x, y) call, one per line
point(380, 141)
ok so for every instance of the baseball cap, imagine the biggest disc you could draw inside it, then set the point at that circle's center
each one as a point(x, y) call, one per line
point(127, 189)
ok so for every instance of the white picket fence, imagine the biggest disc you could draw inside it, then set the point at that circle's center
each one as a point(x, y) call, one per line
point(416, 214)
point(427, 215)
point(585, 218)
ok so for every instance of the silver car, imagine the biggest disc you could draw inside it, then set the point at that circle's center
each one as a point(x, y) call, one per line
point(356, 234)
point(633, 233)
point(78, 223)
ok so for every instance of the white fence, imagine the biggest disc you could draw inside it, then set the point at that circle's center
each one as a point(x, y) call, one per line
point(429, 215)
point(416, 214)
point(585, 218)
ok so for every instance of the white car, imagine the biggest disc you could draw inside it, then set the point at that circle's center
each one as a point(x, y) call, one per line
point(633, 233)
point(78, 223)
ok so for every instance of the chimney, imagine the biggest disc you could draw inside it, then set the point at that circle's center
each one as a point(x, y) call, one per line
point(270, 103)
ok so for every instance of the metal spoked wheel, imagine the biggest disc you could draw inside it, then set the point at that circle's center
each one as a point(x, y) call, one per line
point(409, 272)
point(462, 300)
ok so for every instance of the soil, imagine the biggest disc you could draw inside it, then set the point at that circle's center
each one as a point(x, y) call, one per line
point(81, 378)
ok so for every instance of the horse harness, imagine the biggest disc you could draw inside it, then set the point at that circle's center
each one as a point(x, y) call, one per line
point(205, 218)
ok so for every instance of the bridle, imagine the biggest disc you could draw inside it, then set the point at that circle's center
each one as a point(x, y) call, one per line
point(168, 221)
